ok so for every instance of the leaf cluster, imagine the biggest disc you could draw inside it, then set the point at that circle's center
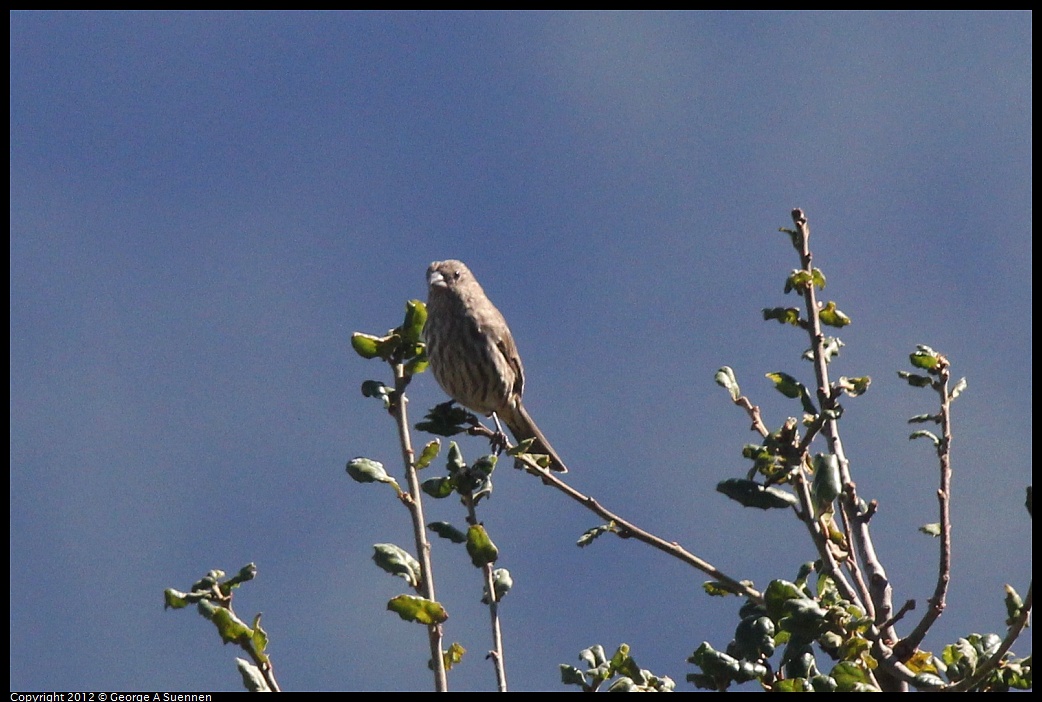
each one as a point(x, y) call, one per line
point(797, 624)
point(623, 672)
point(212, 595)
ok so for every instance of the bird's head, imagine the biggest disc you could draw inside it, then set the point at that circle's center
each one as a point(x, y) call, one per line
point(448, 275)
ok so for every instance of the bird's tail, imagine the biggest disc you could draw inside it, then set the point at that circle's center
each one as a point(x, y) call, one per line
point(523, 427)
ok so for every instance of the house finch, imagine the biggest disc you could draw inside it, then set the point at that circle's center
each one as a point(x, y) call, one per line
point(473, 355)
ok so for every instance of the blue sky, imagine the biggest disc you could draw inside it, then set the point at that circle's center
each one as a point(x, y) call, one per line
point(204, 207)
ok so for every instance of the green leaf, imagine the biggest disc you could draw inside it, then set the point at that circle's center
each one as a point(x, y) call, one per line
point(923, 434)
point(830, 349)
point(230, 627)
point(501, 584)
point(751, 494)
point(418, 609)
point(854, 386)
point(447, 531)
point(765, 460)
point(417, 364)
point(397, 561)
point(415, 317)
point(932, 529)
point(524, 448)
point(570, 675)
point(786, 384)
point(252, 677)
point(453, 656)
point(718, 589)
point(720, 669)
point(374, 388)
point(811, 411)
point(385, 347)
point(826, 485)
point(800, 662)
point(654, 683)
point(714, 662)
point(439, 487)
point(779, 592)
point(366, 345)
point(259, 639)
point(799, 280)
point(173, 599)
point(833, 317)
point(823, 683)
point(447, 419)
point(923, 662)
point(590, 534)
point(454, 462)
point(246, 573)
point(472, 482)
point(916, 381)
point(987, 644)
point(624, 684)
point(208, 581)
point(784, 315)
point(618, 659)
point(1014, 605)
point(925, 418)
point(754, 638)
point(804, 572)
point(961, 658)
point(925, 358)
point(928, 681)
point(725, 379)
point(366, 470)
point(803, 617)
point(428, 454)
point(480, 547)
point(703, 681)
point(483, 467)
point(594, 656)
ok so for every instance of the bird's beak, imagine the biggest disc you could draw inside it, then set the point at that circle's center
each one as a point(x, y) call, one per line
point(436, 280)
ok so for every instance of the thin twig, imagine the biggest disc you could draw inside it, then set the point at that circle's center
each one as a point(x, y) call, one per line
point(626, 529)
point(415, 505)
point(907, 646)
point(754, 414)
point(880, 599)
point(497, 653)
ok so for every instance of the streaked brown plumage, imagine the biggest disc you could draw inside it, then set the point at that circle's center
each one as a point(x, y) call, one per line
point(473, 355)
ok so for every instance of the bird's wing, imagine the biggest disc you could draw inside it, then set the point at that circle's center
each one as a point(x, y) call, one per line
point(508, 348)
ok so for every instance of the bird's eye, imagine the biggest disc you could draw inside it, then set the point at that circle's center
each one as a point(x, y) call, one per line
point(457, 274)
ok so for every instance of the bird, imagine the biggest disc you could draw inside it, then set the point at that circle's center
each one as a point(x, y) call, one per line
point(473, 355)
